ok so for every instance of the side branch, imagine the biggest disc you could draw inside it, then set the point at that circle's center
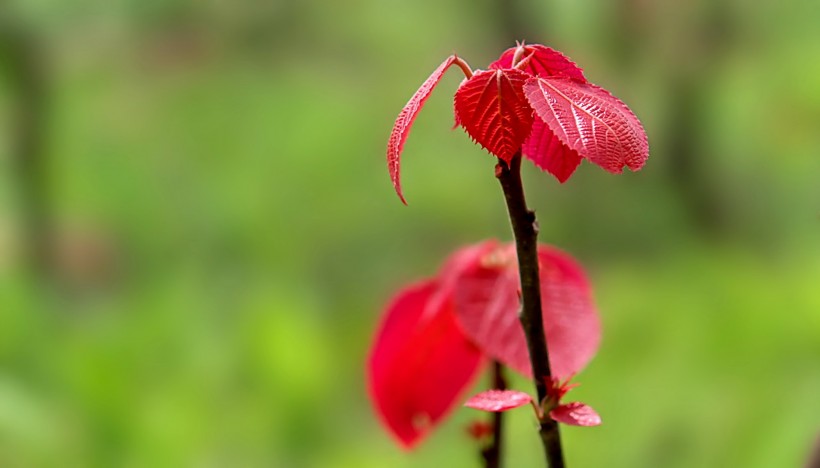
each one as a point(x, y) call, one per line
point(525, 231)
point(492, 453)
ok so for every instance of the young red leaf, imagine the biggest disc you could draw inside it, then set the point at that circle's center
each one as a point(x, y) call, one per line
point(493, 110)
point(548, 153)
point(576, 414)
point(405, 120)
point(487, 304)
point(590, 121)
point(557, 388)
point(540, 60)
point(420, 363)
point(498, 400)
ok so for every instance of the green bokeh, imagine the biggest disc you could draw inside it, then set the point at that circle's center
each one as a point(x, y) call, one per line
point(224, 233)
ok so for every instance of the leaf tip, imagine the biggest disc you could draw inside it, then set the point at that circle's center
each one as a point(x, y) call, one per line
point(401, 196)
point(393, 166)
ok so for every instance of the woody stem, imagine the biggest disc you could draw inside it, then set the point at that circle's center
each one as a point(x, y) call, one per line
point(525, 231)
point(492, 453)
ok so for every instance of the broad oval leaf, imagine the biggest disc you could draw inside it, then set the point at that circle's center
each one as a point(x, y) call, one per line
point(571, 322)
point(591, 121)
point(493, 110)
point(487, 305)
point(548, 153)
point(498, 400)
point(420, 363)
point(576, 414)
point(401, 128)
point(541, 61)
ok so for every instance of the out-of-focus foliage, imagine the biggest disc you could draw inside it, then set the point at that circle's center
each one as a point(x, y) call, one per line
point(191, 270)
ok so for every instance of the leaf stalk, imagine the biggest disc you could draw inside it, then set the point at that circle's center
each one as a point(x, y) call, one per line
point(464, 66)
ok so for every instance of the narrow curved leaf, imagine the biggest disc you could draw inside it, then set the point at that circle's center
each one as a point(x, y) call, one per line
point(405, 120)
point(487, 305)
point(548, 153)
point(420, 363)
point(591, 121)
point(493, 110)
point(576, 414)
point(498, 400)
point(543, 61)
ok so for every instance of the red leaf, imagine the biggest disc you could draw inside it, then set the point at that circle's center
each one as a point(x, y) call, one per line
point(498, 400)
point(420, 363)
point(571, 321)
point(543, 61)
point(590, 121)
point(576, 414)
point(493, 110)
point(547, 152)
point(405, 120)
point(462, 259)
point(486, 301)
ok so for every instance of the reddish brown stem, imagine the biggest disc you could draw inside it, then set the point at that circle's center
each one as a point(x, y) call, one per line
point(525, 231)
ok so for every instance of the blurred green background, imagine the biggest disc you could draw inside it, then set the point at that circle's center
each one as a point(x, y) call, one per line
point(197, 229)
